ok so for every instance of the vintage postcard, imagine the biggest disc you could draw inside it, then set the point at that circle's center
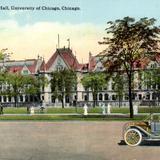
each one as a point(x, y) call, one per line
point(79, 80)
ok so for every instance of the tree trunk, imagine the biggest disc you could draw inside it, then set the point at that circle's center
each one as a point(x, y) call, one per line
point(130, 95)
point(62, 103)
point(15, 101)
point(94, 100)
point(62, 100)
point(94, 103)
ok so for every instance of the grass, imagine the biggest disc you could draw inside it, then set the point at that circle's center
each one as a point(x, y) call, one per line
point(23, 110)
point(81, 117)
point(124, 110)
point(69, 118)
point(13, 110)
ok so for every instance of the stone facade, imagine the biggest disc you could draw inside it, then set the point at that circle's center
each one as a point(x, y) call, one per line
point(64, 58)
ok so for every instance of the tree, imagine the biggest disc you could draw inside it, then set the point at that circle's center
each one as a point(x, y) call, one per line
point(41, 82)
point(4, 55)
point(18, 84)
point(95, 82)
point(63, 83)
point(151, 79)
point(129, 41)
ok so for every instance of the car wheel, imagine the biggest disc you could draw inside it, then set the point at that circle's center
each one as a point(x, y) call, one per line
point(133, 137)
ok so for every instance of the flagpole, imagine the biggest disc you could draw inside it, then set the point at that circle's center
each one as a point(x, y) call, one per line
point(68, 42)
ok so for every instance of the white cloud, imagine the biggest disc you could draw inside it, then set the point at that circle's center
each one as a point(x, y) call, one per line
point(41, 38)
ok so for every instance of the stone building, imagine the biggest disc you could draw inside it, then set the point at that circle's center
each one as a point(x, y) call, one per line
point(64, 58)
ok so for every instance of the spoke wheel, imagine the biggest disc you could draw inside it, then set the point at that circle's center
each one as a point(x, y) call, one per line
point(133, 137)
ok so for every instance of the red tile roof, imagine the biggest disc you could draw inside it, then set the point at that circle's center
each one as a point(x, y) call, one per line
point(50, 61)
point(15, 69)
point(67, 56)
point(43, 66)
point(18, 67)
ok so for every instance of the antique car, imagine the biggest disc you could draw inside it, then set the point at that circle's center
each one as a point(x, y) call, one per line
point(136, 132)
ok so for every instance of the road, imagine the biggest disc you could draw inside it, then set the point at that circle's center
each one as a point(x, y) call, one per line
point(69, 141)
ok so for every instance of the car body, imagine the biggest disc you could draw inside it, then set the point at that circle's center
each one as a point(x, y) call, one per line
point(136, 132)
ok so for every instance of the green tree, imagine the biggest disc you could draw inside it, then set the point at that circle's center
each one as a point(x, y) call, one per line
point(63, 83)
point(94, 82)
point(129, 41)
point(41, 82)
point(4, 55)
point(151, 79)
point(18, 84)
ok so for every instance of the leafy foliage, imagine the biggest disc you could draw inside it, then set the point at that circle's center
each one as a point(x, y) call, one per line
point(128, 42)
point(14, 84)
point(151, 78)
point(94, 81)
point(63, 82)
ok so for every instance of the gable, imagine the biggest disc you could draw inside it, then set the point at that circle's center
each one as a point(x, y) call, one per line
point(25, 71)
point(58, 64)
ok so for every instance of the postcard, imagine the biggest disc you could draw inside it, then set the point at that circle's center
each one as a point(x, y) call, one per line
point(79, 80)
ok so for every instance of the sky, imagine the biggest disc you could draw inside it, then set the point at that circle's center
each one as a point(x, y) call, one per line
point(29, 33)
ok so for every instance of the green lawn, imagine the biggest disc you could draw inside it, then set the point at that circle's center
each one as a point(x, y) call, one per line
point(69, 118)
point(23, 110)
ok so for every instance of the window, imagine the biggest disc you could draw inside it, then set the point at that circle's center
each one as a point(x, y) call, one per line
point(113, 86)
point(148, 96)
point(114, 97)
point(26, 98)
point(106, 96)
point(140, 97)
point(21, 98)
point(100, 97)
point(59, 67)
point(25, 72)
point(4, 98)
point(9, 99)
point(85, 97)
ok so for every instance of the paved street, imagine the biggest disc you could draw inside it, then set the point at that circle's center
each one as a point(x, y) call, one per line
point(69, 141)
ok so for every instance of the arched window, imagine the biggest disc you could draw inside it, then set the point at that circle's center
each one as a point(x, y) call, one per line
point(100, 97)
point(21, 98)
point(85, 97)
point(4, 98)
point(114, 97)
